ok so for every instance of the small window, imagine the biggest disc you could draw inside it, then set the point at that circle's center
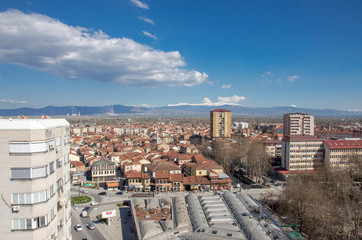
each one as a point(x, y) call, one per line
point(57, 141)
point(51, 167)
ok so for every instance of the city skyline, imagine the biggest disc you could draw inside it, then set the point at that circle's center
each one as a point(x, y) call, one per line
point(148, 53)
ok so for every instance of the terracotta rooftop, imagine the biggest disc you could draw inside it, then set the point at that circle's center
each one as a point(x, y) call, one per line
point(343, 144)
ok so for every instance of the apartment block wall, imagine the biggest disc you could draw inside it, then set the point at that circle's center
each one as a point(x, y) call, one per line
point(302, 155)
point(220, 123)
point(37, 197)
point(298, 124)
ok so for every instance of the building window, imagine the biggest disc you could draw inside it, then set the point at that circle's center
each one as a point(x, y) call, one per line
point(51, 190)
point(28, 147)
point(51, 167)
point(28, 173)
point(59, 163)
point(28, 198)
point(57, 141)
point(51, 144)
point(59, 183)
point(27, 224)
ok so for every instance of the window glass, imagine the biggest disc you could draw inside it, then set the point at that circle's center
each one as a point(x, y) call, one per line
point(15, 198)
point(19, 147)
point(36, 197)
point(20, 173)
point(27, 197)
point(16, 224)
point(57, 141)
point(38, 172)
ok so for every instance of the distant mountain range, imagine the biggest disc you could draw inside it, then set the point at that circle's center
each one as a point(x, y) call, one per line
point(184, 110)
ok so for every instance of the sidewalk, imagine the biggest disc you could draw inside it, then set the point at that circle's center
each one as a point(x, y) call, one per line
point(112, 231)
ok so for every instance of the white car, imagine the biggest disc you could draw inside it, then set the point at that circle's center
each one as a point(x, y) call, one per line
point(78, 228)
point(94, 203)
point(90, 226)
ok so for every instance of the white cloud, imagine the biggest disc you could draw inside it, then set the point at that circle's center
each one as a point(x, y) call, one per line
point(226, 86)
point(233, 100)
point(293, 78)
point(10, 101)
point(294, 106)
point(140, 4)
point(46, 44)
point(147, 20)
point(210, 83)
point(149, 35)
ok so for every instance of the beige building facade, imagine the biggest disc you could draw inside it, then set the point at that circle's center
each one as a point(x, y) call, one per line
point(220, 123)
point(35, 179)
point(302, 153)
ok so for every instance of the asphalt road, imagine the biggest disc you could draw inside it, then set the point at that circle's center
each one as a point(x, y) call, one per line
point(77, 219)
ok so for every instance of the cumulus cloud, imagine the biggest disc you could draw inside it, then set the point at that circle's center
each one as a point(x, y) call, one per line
point(44, 43)
point(226, 86)
point(293, 78)
point(149, 35)
point(233, 100)
point(139, 4)
point(147, 20)
point(10, 101)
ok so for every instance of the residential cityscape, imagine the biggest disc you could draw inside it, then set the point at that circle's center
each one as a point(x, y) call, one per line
point(180, 120)
point(132, 178)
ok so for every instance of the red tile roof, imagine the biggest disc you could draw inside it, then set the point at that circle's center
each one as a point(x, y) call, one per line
point(343, 144)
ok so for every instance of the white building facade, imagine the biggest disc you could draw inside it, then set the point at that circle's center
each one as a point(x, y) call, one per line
point(298, 124)
point(35, 179)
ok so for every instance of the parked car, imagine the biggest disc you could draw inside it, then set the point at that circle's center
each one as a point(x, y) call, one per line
point(94, 203)
point(91, 226)
point(102, 193)
point(78, 228)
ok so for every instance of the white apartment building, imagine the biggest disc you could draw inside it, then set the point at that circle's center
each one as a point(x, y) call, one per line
point(298, 124)
point(35, 179)
point(302, 153)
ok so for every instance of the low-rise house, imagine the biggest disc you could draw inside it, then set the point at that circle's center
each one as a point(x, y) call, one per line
point(138, 181)
point(132, 166)
point(76, 166)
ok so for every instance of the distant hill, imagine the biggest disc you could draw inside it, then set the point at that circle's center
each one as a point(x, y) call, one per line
point(185, 110)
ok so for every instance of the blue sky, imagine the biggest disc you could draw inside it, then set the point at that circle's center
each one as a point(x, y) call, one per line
point(155, 53)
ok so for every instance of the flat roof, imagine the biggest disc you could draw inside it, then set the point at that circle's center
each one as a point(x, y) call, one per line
point(28, 124)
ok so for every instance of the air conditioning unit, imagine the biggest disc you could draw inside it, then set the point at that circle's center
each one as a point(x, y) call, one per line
point(16, 208)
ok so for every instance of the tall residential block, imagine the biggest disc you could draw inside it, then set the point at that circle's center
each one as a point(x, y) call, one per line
point(35, 179)
point(220, 123)
point(298, 124)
